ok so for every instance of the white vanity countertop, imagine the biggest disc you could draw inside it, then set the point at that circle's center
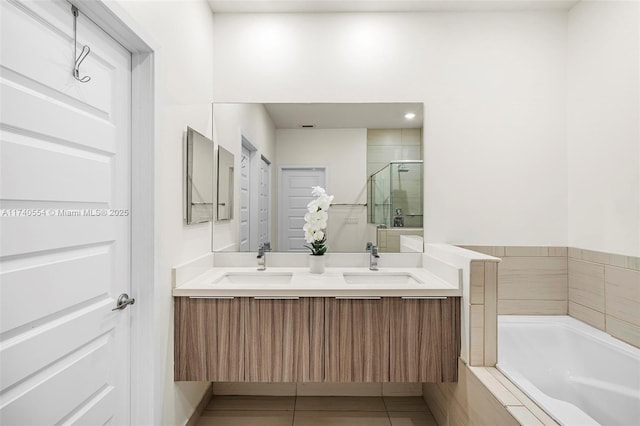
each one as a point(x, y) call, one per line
point(249, 282)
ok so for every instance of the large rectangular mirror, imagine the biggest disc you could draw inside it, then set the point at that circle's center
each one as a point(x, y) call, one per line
point(368, 156)
point(199, 178)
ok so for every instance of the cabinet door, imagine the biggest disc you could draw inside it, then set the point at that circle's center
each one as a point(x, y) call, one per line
point(356, 340)
point(425, 340)
point(282, 340)
point(209, 343)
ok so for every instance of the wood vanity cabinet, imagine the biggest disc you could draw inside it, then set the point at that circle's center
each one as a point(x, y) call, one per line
point(317, 339)
point(424, 340)
point(209, 340)
point(248, 340)
point(356, 340)
point(283, 340)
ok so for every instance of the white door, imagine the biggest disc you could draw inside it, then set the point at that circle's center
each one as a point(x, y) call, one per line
point(65, 199)
point(264, 213)
point(293, 196)
point(245, 199)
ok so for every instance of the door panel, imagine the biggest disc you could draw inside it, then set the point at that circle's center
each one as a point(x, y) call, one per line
point(65, 193)
point(264, 212)
point(295, 194)
point(23, 159)
point(245, 200)
point(60, 282)
point(58, 392)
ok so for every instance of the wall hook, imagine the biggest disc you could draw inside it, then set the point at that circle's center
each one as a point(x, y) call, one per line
point(85, 50)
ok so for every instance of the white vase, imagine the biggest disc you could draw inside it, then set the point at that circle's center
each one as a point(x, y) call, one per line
point(316, 264)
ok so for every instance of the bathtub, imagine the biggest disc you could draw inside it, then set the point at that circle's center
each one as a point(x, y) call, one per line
point(577, 374)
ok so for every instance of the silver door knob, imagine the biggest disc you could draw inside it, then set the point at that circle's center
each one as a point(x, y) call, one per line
point(123, 302)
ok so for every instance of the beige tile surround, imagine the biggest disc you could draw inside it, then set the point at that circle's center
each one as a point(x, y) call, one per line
point(604, 291)
point(482, 396)
point(483, 324)
point(601, 289)
point(533, 280)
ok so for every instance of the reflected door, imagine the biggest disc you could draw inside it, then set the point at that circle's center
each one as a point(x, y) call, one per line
point(245, 199)
point(293, 196)
point(264, 215)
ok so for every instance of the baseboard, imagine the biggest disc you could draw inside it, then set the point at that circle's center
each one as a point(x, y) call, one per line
point(318, 389)
point(206, 398)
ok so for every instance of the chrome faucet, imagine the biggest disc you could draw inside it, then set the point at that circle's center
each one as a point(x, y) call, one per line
point(373, 256)
point(262, 256)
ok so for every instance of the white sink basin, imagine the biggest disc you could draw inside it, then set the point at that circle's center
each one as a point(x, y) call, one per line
point(375, 278)
point(257, 277)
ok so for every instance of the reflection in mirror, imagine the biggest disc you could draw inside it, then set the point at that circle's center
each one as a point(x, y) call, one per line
point(225, 184)
point(199, 178)
point(347, 148)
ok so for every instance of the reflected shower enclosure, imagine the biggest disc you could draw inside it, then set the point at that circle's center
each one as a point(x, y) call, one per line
point(396, 195)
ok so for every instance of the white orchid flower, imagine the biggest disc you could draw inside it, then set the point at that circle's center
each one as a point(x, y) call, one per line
point(325, 202)
point(313, 206)
point(308, 237)
point(316, 220)
point(317, 216)
point(318, 191)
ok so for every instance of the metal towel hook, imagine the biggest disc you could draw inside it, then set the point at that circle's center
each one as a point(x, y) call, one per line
point(85, 50)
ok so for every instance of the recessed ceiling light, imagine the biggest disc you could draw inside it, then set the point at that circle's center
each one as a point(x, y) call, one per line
point(410, 115)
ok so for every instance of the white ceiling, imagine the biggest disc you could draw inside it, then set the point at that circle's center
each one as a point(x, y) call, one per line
point(326, 6)
point(345, 116)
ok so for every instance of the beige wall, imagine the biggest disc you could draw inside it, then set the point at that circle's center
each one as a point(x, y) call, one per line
point(344, 152)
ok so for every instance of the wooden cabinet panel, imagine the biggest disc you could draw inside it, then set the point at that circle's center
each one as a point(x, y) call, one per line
point(356, 340)
point(209, 342)
point(317, 339)
point(278, 340)
point(424, 340)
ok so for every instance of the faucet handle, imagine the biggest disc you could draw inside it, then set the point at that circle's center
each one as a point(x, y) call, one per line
point(265, 246)
point(374, 251)
point(369, 245)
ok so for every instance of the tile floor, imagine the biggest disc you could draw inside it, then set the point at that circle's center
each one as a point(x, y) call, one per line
point(316, 411)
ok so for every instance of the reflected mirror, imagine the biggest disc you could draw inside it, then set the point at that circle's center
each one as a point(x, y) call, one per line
point(225, 184)
point(368, 156)
point(199, 178)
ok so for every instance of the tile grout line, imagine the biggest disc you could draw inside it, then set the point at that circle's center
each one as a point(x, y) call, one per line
point(386, 410)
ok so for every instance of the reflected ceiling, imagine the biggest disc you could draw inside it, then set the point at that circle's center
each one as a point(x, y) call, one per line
point(345, 115)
